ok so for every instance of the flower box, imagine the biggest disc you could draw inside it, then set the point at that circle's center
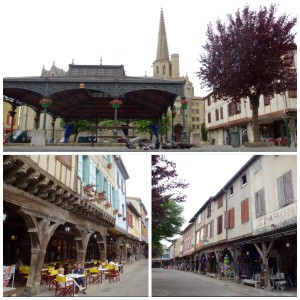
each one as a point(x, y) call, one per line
point(45, 103)
point(107, 204)
point(115, 211)
point(116, 103)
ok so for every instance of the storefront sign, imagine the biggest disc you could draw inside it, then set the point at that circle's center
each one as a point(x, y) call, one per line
point(277, 217)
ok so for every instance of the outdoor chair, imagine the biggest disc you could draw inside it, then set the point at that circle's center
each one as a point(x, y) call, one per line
point(51, 278)
point(113, 274)
point(24, 271)
point(95, 275)
point(63, 287)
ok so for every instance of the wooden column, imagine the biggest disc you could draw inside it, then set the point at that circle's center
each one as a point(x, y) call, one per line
point(264, 252)
point(218, 256)
point(102, 247)
point(41, 230)
point(81, 239)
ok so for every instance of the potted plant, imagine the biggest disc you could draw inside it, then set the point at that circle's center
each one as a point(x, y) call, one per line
point(107, 204)
point(109, 165)
point(45, 103)
point(115, 211)
point(116, 103)
point(185, 103)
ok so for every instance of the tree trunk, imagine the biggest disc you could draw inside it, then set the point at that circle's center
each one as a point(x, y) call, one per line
point(254, 101)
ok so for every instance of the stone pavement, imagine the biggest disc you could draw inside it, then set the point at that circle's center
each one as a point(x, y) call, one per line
point(133, 282)
point(117, 148)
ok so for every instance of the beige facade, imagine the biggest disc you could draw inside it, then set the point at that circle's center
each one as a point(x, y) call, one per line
point(222, 117)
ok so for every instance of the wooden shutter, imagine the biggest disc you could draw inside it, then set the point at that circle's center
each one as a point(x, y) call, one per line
point(219, 225)
point(231, 218)
point(80, 166)
point(211, 229)
point(226, 219)
point(245, 210)
point(288, 187)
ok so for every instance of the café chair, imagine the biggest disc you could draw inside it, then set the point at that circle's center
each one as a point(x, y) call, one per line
point(24, 274)
point(113, 274)
point(95, 275)
point(63, 287)
point(51, 278)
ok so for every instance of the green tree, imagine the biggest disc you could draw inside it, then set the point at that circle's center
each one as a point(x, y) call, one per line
point(203, 132)
point(170, 225)
point(166, 196)
point(79, 126)
point(249, 56)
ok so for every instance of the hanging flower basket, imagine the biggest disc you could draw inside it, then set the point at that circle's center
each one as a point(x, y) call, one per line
point(107, 204)
point(116, 103)
point(119, 215)
point(115, 211)
point(185, 103)
point(109, 165)
point(45, 103)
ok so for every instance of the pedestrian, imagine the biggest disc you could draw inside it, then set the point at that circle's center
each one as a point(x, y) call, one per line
point(80, 280)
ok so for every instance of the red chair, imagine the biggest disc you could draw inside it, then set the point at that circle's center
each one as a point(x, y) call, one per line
point(113, 274)
point(63, 287)
point(51, 278)
point(95, 275)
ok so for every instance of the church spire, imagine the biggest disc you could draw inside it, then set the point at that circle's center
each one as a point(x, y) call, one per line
point(162, 43)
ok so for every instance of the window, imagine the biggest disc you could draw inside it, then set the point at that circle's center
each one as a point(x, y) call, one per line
point(245, 211)
point(129, 219)
point(157, 70)
point(202, 234)
point(243, 180)
point(199, 218)
point(208, 101)
point(66, 160)
point(221, 113)
point(220, 201)
point(260, 206)
point(267, 100)
point(220, 222)
point(285, 189)
point(209, 210)
point(209, 117)
point(217, 114)
point(164, 70)
point(231, 191)
point(292, 93)
point(229, 218)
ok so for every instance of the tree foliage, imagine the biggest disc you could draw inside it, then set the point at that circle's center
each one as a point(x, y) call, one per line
point(79, 126)
point(249, 57)
point(166, 196)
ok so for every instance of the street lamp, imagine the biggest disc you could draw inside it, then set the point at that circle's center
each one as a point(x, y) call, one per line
point(115, 104)
point(67, 228)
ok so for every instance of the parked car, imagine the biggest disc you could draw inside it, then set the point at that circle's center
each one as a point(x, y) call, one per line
point(19, 136)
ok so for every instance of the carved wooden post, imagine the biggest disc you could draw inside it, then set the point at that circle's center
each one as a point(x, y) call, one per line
point(81, 239)
point(102, 248)
point(264, 254)
point(218, 256)
point(40, 234)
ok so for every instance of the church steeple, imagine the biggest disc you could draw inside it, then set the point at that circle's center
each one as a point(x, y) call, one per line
point(162, 64)
point(162, 43)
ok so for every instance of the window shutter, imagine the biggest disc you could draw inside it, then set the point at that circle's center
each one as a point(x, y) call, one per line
point(117, 199)
point(242, 212)
point(219, 224)
point(226, 219)
point(280, 188)
point(92, 173)
point(246, 210)
point(99, 181)
point(231, 218)
point(288, 187)
point(211, 228)
point(80, 166)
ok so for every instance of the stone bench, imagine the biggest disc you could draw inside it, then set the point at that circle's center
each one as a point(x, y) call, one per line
point(250, 281)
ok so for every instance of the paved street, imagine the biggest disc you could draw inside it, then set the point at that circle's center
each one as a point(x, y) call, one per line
point(174, 283)
point(113, 148)
point(133, 283)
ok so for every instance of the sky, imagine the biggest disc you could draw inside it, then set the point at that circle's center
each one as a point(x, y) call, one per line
point(37, 33)
point(206, 175)
point(138, 167)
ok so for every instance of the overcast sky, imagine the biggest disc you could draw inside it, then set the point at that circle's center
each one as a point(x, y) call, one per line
point(138, 166)
point(205, 173)
point(36, 33)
